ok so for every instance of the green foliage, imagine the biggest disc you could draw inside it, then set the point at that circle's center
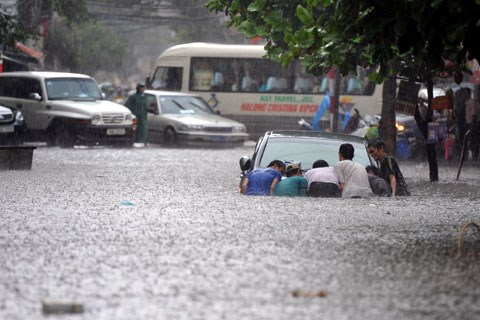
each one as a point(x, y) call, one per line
point(74, 11)
point(87, 47)
point(11, 30)
point(393, 34)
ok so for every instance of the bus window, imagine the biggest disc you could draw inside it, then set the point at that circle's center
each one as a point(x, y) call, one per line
point(168, 78)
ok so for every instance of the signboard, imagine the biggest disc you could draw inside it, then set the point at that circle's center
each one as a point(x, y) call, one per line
point(407, 97)
point(442, 103)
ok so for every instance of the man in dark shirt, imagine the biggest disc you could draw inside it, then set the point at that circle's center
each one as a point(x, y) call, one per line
point(389, 169)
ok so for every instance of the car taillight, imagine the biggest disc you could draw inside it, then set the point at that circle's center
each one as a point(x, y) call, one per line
point(134, 124)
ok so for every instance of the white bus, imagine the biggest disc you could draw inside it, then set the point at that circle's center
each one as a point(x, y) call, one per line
point(239, 82)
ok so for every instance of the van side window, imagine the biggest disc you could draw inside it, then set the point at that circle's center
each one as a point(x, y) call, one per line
point(27, 87)
point(7, 86)
point(168, 78)
point(20, 88)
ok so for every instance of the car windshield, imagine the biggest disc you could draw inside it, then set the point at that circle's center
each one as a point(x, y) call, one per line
point(307, 150)
point(184, 105)
point(72, 89)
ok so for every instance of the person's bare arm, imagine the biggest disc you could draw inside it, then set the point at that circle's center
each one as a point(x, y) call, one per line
point(341, 186)
point(272, 186)
point(393, 184)
point(243, 188)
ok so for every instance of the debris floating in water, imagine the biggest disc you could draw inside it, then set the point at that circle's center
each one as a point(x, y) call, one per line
point(308, 294)
point(50, 306)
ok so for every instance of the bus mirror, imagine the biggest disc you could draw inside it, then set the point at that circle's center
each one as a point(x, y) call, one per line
point(148, 83)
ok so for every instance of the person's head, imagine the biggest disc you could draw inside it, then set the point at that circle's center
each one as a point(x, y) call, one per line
point(346, 152)
point(376, 149)
point(293, 169)
point(373, 170)
point(140, 87)
point(277, 165)
point(320, 164)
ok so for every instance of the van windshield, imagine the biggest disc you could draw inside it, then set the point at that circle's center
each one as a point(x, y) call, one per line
point(72, 89)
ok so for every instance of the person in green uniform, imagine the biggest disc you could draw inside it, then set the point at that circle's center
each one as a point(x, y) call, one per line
point(138, 105)
point(294, 185)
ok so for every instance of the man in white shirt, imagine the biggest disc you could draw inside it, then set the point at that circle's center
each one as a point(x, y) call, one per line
point(322, 181)
point(352, 176)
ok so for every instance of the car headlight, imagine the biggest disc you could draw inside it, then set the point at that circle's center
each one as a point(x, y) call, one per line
point(128, 117)
point(96, 119)
point(400, 127)
point(238, 129)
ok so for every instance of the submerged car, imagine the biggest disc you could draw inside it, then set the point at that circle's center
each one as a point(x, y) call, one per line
point(303, 147)
point(12, 126)
point(176, 118)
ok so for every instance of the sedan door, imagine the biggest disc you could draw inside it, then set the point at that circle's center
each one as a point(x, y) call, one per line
point(155, 128)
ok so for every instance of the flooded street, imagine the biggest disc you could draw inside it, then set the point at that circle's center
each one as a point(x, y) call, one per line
point(155, 233)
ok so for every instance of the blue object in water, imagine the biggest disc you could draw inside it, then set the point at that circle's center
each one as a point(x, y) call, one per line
point(403, 149)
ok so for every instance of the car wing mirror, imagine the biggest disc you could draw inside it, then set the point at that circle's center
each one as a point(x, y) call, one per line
point(35, 96)
point(245, 163)
point(152, 109)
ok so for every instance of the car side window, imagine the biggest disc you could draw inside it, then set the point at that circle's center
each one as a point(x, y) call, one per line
point(152, 105)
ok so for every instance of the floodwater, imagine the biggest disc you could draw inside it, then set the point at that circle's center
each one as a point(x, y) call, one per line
point(154, 233)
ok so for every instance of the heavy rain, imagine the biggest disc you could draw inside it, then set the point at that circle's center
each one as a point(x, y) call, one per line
point(121, 178)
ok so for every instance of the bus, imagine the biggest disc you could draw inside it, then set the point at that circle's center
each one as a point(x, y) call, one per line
point(242, 84)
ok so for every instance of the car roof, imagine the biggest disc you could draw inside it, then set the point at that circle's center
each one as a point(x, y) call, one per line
point(45, 74)
point(315, 134)
point(170, 93)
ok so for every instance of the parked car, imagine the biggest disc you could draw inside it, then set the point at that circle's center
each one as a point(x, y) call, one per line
point(303, 147)
point(12, 126)
point(176, 118)
point(65, 109)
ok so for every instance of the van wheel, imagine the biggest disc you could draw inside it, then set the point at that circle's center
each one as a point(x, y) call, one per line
point(169, 137)
point(64, 137)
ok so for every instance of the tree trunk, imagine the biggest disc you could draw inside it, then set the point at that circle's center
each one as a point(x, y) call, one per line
point(388, 115)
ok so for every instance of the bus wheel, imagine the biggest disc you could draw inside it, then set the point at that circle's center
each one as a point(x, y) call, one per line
point(169, 137)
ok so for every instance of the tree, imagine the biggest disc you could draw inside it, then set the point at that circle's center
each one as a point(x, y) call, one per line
point(397, 35)
point(11, 31)
point(85, 47)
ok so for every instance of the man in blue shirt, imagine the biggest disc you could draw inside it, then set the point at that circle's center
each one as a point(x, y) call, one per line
point(262, 181)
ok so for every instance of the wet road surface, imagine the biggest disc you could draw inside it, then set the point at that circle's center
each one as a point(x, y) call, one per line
point(160, 233)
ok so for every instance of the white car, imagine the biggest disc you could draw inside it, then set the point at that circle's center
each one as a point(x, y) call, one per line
point(176, 118)
point(12, 126)
point(66, 109)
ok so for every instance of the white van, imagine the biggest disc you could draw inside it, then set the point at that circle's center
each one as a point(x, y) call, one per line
point(66, 109)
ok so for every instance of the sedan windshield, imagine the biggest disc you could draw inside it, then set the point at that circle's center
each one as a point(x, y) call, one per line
point(184, 105)
point(307, 150)
point(72, 89)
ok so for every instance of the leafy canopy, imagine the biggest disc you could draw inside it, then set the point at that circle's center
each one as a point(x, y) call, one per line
point(420, 34)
